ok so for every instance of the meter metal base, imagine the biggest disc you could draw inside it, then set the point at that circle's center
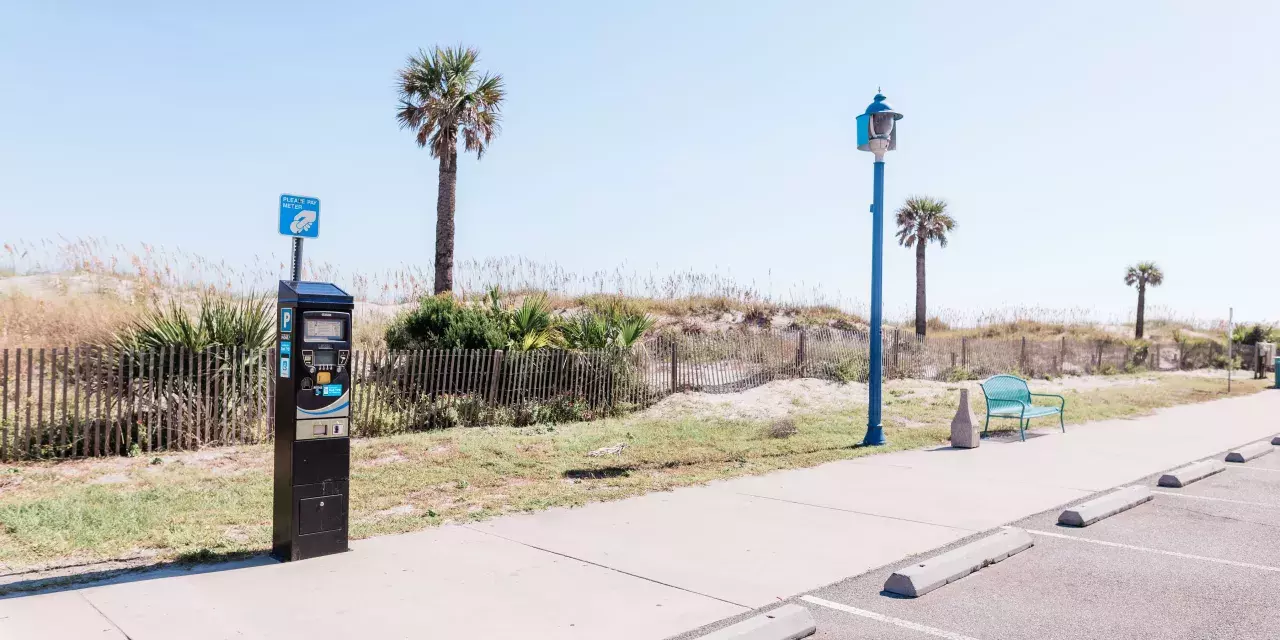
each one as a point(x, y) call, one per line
point(314, 508)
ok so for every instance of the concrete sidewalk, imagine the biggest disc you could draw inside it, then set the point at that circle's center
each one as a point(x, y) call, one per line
point(652, 566)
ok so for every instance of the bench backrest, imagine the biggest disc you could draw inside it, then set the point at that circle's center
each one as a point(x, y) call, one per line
point(1006, 390)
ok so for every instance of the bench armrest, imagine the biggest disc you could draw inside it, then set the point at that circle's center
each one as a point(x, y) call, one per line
point(1062, 402)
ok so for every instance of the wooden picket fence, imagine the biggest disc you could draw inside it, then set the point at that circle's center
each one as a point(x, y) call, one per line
point(92, 401)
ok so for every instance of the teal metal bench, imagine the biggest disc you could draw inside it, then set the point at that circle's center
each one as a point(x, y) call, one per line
point(1009, 397)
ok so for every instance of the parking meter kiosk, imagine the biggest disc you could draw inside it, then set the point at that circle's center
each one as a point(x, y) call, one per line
point(312, 420)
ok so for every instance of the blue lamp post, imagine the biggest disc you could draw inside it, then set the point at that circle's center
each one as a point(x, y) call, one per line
point(877, 134)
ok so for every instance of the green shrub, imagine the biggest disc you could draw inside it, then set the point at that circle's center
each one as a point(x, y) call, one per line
point(853, 369)
point(1220, 361)
point(1252, 335)
point(439, 322)
point(1139, 349)
point(960, 374)
point(560, 410)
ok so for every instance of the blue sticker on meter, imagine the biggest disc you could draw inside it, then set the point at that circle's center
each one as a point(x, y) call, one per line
point(284, 366)
point(286, 320)
point(330, 390)
point(286, 347)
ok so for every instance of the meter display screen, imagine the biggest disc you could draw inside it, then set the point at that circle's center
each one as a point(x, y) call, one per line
point(317, 330)
point(326, 357)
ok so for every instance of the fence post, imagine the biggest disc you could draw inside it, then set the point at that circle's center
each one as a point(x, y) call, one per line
point(1099, 368)
point(964, 352)
point(953, 360)
point(675, 382)
point(495, 373)
point(896, 333)
point(1022, 357)
point(1062, 354)
point(800, 355)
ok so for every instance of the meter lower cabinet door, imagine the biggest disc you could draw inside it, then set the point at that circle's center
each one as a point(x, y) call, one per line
point(326, 513)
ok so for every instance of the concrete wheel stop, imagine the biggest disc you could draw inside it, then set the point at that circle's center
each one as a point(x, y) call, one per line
point(1195, 471)
point(1250, 451)
point(1091, 511)
point(927, 575)
point(788, 622)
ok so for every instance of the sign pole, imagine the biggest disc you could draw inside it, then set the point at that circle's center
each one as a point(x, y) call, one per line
point(296, 261)
point(1231, 317)
point(299, 218)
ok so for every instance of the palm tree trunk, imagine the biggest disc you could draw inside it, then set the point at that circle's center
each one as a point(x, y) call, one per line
point(445, 206)
point(1142, 303)
point(921, 324)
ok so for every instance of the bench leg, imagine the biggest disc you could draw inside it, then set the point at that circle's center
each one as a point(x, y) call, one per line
point(1022, 428)
point(987, 424)
point(1062, 423)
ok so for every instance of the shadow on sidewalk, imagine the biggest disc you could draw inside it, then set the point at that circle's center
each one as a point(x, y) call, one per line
point(97, 574)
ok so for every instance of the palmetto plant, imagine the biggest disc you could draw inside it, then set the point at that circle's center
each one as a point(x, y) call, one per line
point(1143, 274)
point(610, 327)
point(531, 326)
point(922, 220)
point(443, 96)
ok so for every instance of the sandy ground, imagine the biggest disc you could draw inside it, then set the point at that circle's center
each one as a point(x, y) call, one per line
point(783, 398)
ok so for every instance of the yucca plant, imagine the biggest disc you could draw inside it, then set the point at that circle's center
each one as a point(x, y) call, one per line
point(220, 322)
point(175, 357)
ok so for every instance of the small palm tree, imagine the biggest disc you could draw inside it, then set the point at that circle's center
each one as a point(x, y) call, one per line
point(442, 96)
point(922, 220)
point(1143, 274)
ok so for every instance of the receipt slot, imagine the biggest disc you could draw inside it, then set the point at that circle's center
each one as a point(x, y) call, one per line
point(312, 420)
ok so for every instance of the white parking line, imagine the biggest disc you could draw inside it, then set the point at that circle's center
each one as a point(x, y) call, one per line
point(1187, 495)
point(1188, 556)
point(1248, 468)
point(905, 624)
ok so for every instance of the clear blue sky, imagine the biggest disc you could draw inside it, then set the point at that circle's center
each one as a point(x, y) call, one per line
point(1070, 140)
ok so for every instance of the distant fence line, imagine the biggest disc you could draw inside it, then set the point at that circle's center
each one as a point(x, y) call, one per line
point(93, 401)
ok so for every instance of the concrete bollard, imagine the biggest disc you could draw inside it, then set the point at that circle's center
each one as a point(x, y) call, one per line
point(964, 429)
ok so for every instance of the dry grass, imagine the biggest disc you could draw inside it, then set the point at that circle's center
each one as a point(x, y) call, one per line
point(684, 300)
point(217, 502)
point(62, 321)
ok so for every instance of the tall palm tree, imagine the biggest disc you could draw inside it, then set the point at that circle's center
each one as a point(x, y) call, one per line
point(1143, 274)
point(442, 96)
point(922, 220)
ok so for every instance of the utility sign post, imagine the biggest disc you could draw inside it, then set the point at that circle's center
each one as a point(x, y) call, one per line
point(299, 218)
point(1231, 329)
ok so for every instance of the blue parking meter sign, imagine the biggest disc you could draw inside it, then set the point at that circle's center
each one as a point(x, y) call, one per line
point(299, 216)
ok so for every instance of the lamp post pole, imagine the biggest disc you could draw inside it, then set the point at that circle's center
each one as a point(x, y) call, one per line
point(878, 134)
point(875, 432)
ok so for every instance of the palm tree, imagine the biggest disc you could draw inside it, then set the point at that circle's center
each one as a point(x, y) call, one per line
point(922, 220)
point(1143, 274)
point(442, 95)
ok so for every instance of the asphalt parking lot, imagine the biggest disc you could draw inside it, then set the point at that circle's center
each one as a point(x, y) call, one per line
point(1198, 562)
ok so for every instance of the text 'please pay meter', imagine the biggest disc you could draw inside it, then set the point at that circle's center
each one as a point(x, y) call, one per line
point(312, 420)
